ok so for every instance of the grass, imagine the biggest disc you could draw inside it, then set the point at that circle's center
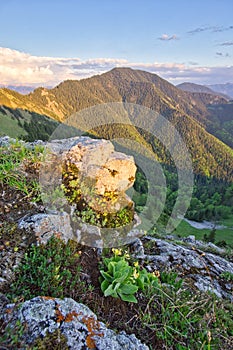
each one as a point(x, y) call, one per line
point(15, 160)
point(10, 126)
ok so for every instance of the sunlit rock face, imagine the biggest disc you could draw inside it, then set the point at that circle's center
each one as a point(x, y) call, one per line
point(102, 175)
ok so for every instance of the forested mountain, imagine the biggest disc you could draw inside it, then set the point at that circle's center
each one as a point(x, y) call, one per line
point(191, 113)
point(13, 99)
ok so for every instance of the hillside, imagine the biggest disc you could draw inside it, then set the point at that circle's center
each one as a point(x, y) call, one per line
point(189, 112)
point(13, 99)
point(20, 123)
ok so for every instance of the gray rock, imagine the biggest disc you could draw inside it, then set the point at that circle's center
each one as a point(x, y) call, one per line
point(137, 249)
point(5, 141)
point(60, 224)
point(205, 269)
point(190, 239)
point(75, 321)
point(44, 226)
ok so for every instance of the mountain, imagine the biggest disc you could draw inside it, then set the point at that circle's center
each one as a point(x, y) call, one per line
point(189, 112)
point(24, 90)
point(226, 88)
point(13, 99)
point(196, 88)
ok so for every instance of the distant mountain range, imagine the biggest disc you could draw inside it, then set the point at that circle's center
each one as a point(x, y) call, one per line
point(223, 88)
point(198, 116)
point(24, 90)
point(191, 87)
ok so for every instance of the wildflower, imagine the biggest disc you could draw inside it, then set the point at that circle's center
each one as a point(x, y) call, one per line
point(135, 274)
point(116, 252)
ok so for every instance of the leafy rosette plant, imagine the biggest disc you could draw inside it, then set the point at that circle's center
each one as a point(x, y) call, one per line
point(121, 280)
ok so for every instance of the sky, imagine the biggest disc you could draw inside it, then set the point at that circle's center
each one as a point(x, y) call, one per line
point(44, 42)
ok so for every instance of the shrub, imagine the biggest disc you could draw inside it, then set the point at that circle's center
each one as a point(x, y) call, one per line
point(52, 269)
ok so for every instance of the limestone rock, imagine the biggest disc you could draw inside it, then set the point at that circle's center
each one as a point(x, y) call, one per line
point(201, 267)
point(87, 152)
point(44, 226)
point(101, 174)
point(44, 315)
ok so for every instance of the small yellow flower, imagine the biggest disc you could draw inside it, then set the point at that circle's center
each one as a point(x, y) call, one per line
point(136, 264)
point(135, 274)
point(117, 251)
point(126, 255)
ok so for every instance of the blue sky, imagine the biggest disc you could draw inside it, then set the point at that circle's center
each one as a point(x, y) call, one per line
point(46, 41)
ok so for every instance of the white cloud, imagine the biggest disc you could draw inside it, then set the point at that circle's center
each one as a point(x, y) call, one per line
point(212, 29)
point(227, 43)
point(166, 37)
point(20, 68)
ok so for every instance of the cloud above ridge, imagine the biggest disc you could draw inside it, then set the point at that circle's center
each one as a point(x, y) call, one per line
point(20, 68)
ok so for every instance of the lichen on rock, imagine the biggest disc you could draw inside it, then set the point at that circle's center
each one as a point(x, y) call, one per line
point(45, 317)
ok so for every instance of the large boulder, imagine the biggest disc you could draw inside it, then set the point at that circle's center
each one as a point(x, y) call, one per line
point(91, 171)
point(101, 174)
point(42, 316)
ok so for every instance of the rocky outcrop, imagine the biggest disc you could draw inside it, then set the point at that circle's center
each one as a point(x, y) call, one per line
point(91, 172)
point(199, 264)
point(88, 179)
point(43, 226)
point(76, 322)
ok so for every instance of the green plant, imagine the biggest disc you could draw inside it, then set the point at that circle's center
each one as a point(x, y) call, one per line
point(171, 278)
point(227, 275)
point(121, 280)
point(182, 319)
point(11, 337)
point(51, 269)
